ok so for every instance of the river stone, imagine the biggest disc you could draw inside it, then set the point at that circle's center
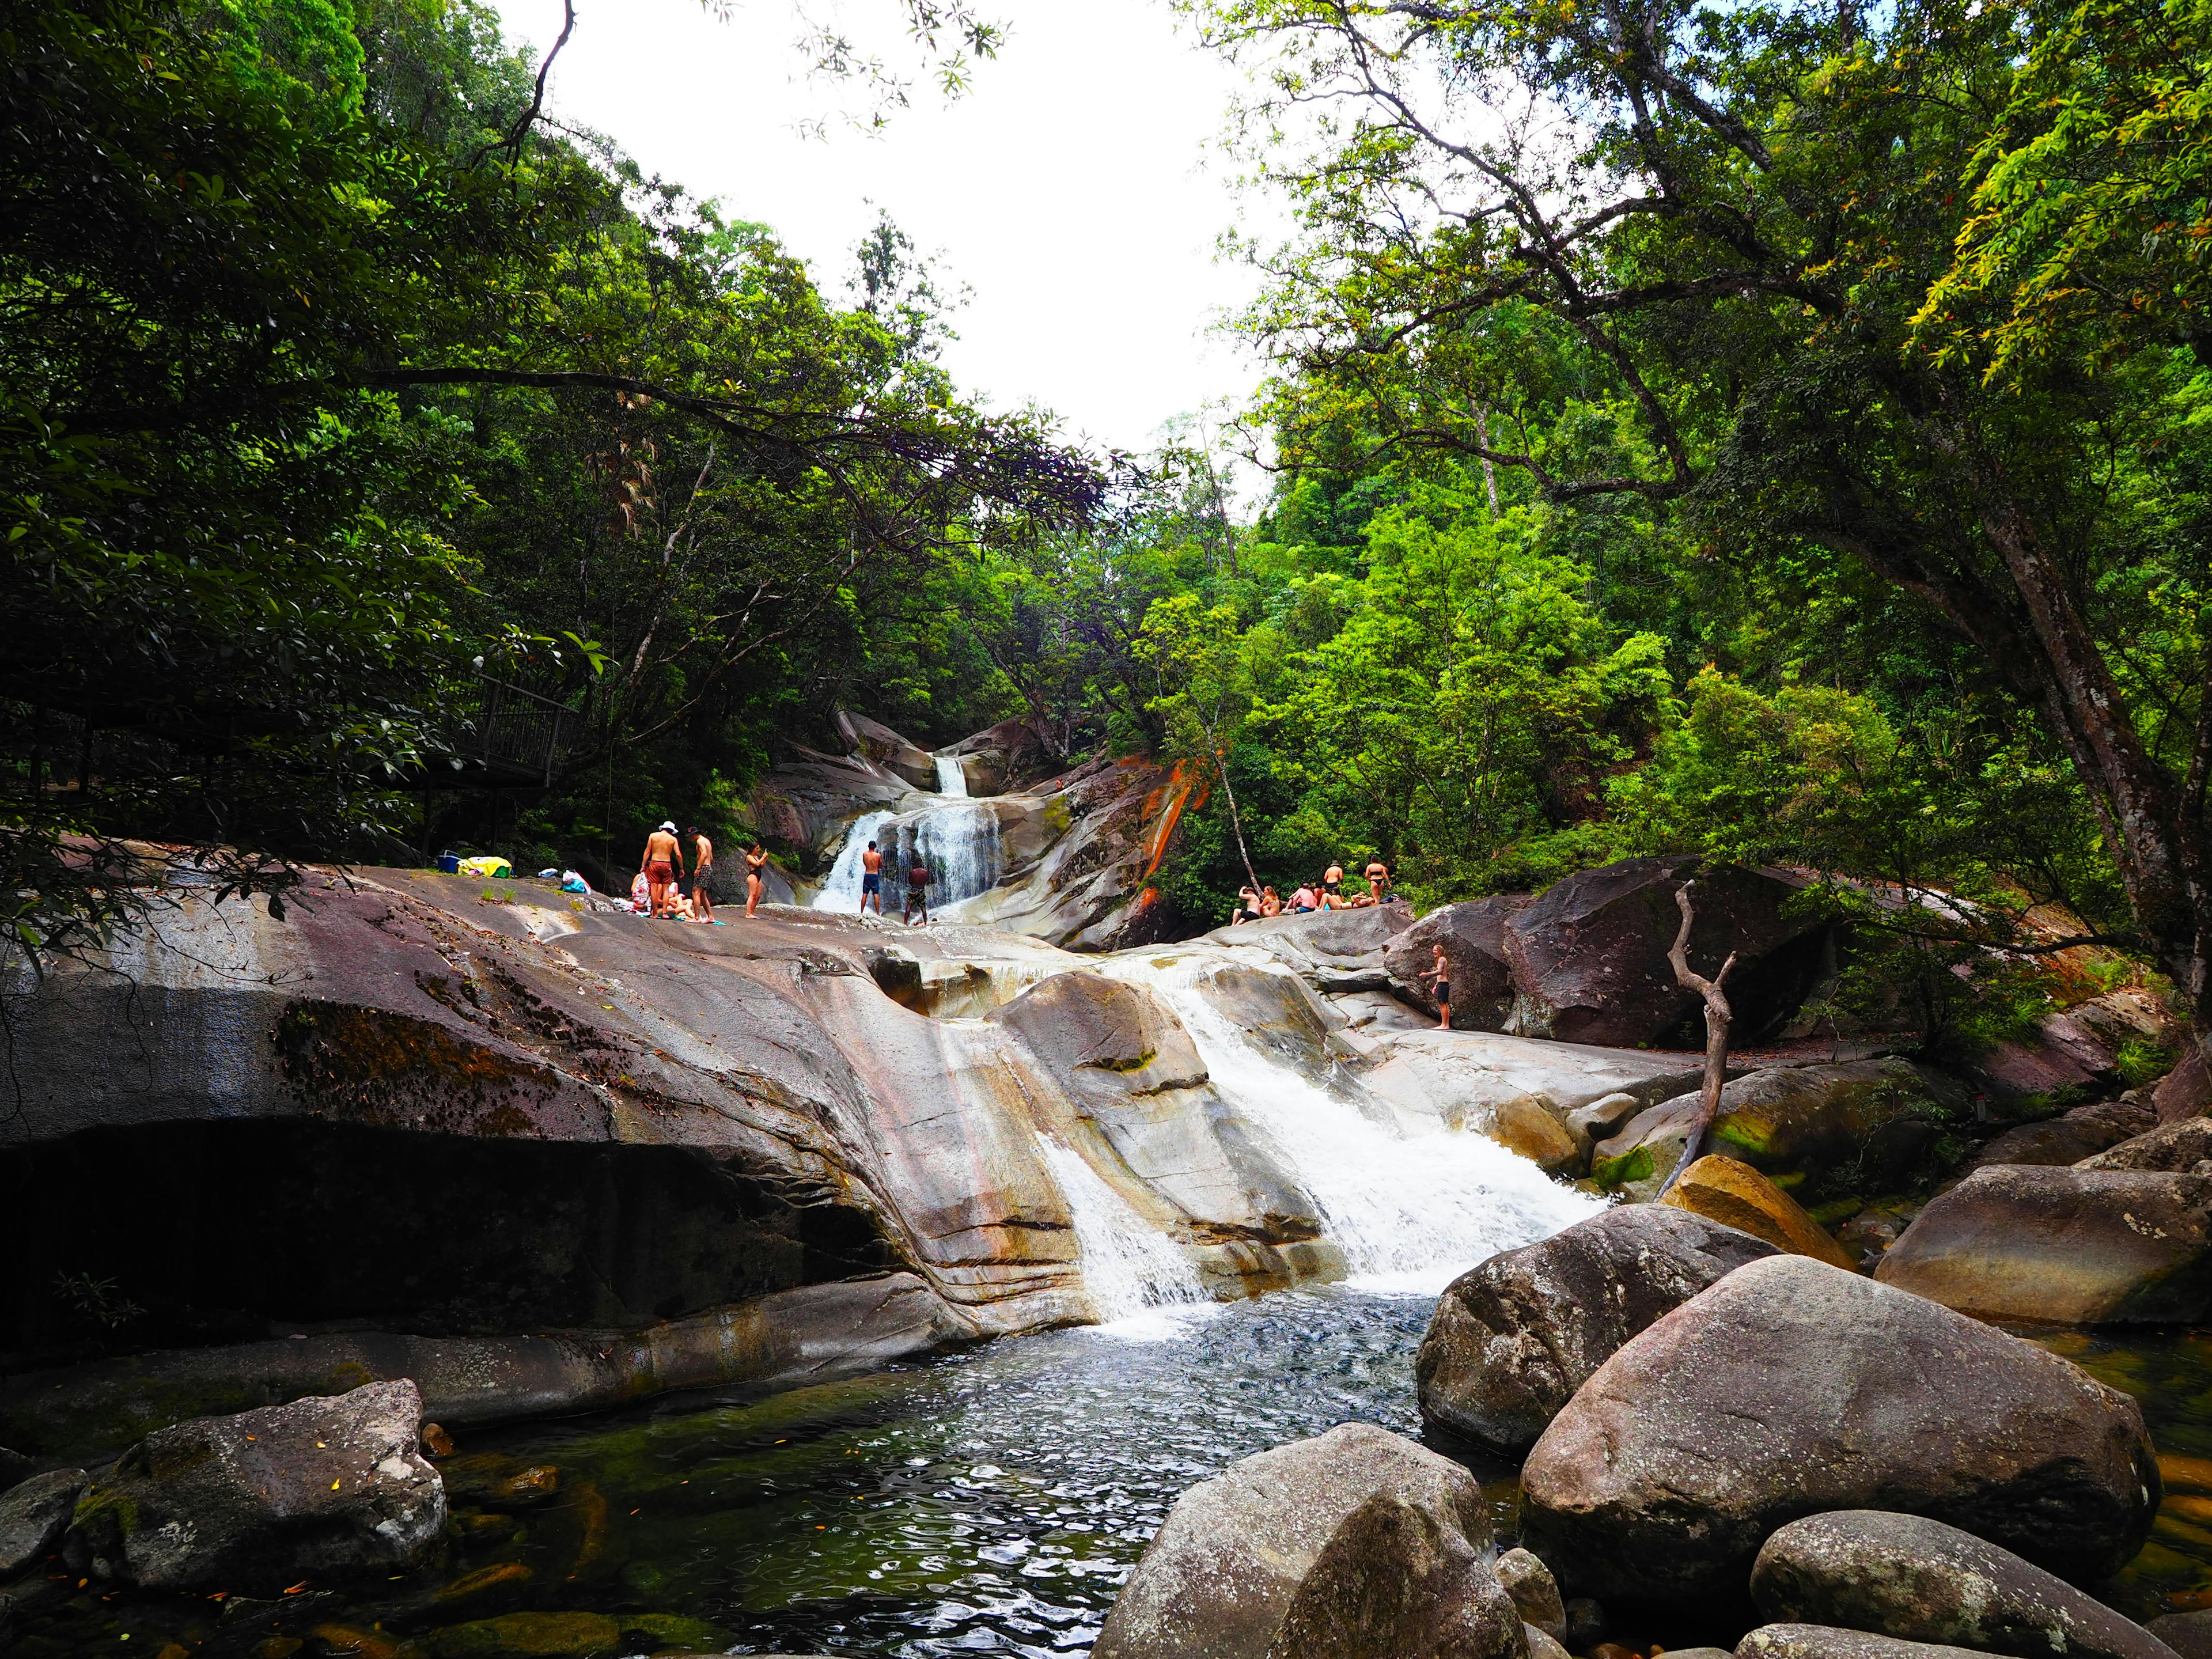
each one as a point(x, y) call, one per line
point(2172, 1148)
point(318, 1487)
point(1221, 1577)
point(1791, 1388)
point(2064, 1246)
point(1513, 1338)
point(2185, 1091)
point(1912, 1578)
point(33, 1515)
point(1472, 933)
point(2189, 1634)
point(1533, 1590)
point(1589, 956)
point(1736, 1195)
point(1541, 1644)
point(1821, 1130)
point(1826, 1642)
point(1395, 1578)
point(2071, 1137)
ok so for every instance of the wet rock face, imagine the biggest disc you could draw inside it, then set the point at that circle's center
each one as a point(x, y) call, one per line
point(1589, 956)
point(1513, 1338)
point(1472, 933)
point(2068, 1246)
point(1791, 1388)
point(1909, 1577)
point(326, 1486)
point(1356, 1542)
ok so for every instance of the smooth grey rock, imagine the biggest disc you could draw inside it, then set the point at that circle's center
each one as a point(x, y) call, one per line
point(1698, 1653)
point(1541, 1644)
point(1791, 1388)
point(1603, 1118)
point(1533, 1590)
point(2173, 1148)
point(2071, 1137)
point(1220, 1578)
point(2064, 1246)
point(1472, 933)
point(1397, 1578)
point(33, 1514)
point(1826, 1642)
point(318, 1487)
point(1589, 956)
point(1513, 1338)
point(1922, 1581)
point(2189, 1634)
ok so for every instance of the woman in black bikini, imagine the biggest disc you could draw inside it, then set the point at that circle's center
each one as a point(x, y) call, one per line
point(755, 861)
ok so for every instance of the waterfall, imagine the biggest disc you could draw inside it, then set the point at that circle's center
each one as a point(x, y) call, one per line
point(1409, 1213)
point(951, 777)
point(1131, 1269)
point(842, 891)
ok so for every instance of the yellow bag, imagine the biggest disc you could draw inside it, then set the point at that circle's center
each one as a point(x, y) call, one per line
point(488, 868)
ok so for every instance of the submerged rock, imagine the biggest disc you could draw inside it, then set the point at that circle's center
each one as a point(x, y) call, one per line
point(2067, 1246)
point(1512, 1339)
point(1355, 1536)
point(1736, 1195)
point(1791, 1388)
point(32, 1516)
point(1909, 1577)
point(318, 1487)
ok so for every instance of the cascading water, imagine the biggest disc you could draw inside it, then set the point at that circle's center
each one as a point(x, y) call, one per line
point(1409, 1213)
point(1132, 1271)
point(951, 777)
point(842, 891)
point(960, 845)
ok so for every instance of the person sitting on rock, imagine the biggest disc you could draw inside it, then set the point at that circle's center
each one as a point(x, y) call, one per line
point(1303, 900)
point(1270, 902)
point(1247, 907)
point(917, 891)
point(1439, 979)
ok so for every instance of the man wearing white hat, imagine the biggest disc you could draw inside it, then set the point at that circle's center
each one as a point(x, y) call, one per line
point(659, 868)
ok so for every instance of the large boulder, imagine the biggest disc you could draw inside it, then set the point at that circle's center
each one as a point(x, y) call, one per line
point(319, 1486)
point(1736, 1195)
point(32, 1516)
point(1910, 1577)
point(2175, 1148)
point(2066, 1246)
point(1829, 1642)
point(2189, 1634)
point(1472, 933)
point(2186, 1091)
point(875, 742)
point(1357, 1542)
point(1791, 1388)
point(2083, 1132)
point(1512, 1339)
point(1589, 956)
point(1818, 1130)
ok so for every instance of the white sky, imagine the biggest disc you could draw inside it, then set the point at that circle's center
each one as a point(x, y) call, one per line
point(1076, 189)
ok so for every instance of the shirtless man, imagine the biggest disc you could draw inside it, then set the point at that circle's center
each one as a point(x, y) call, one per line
point(917, 891)
point(1439, 977)
point(1332, 888)
point(703, 871)
point(871, 879)
point(658, 868)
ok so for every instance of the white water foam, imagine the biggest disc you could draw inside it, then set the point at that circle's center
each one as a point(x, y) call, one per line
point(1410, 1212)
point(1141, 1284)
point(842, 891)
point(951, 777)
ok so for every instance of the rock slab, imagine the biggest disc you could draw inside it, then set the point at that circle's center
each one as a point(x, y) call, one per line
point(1513, 1338)
point(1736, 1195)
point(2064, 1246)
point(1920, 1580)
point(1791, 1388)
point(316, 1487)
point(1298, 1539)
point(33, 1515)
point(1827, 1641)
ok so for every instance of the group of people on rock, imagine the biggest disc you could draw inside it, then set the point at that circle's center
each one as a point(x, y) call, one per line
point(1254, 903)
point(670, 888)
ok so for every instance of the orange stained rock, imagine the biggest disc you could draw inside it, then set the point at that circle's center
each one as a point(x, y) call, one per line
point(1734, 1194)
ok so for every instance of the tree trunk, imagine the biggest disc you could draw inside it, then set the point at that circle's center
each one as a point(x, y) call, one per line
point(1717, 1018)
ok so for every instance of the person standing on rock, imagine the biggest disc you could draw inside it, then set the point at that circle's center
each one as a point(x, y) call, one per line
point(1332, 888)
point(871, 878)
point(659, 869)
point(755, 862)
point(702, 867)
point(1439, 979)
point(917, 891)
point(1378, 878)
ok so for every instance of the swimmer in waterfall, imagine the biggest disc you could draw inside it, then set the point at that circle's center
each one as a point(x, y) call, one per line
point(871, 879)
point(658, 868)
point(755, 862)
point(702, 867)
point(1439, 978)
point(917, 891)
